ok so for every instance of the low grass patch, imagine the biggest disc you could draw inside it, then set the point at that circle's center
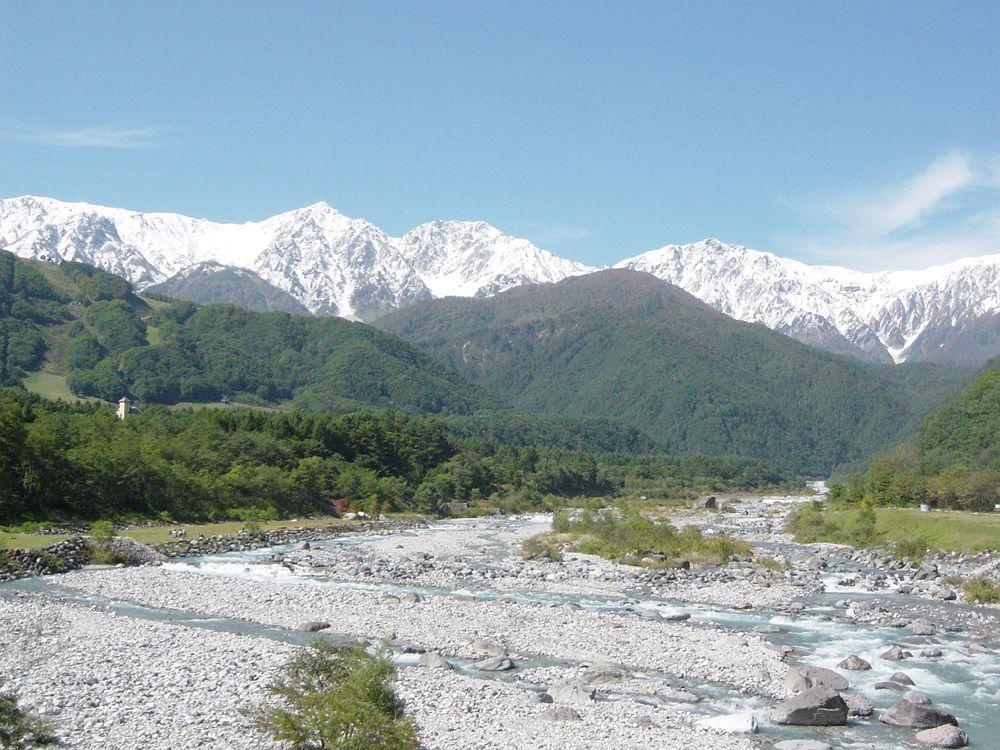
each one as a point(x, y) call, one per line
point(543, 547)
point(637, 540)
point(225, 405)
point(20, 729)
point(161, 533)
point(21, 540)
point(51, 386)
point(981, 590)
point(769, 563)
point(907, 529)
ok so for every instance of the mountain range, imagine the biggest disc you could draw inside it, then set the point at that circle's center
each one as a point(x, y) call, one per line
point(330, 264)
point(625, 345)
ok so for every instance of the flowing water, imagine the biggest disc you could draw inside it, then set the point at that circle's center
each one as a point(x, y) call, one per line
point(968, 686)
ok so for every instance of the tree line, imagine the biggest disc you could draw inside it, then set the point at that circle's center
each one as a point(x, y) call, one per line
point(954, 461)
point(62, 461)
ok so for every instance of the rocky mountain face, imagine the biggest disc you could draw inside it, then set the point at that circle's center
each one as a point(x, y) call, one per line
point(332, 264)
point(213, 282)
point(475, 259)
point(947, 313)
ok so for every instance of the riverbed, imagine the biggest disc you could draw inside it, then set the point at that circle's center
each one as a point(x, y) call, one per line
point(172, 655)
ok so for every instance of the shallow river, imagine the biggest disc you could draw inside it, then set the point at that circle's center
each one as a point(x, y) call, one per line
point(967, 686)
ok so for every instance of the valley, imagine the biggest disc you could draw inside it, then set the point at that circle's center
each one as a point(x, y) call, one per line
point(510, 376)
point(173, 653)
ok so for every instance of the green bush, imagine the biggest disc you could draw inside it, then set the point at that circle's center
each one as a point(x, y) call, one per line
point(337, 698)
point(982, 590)
point(809, 523)
point(102, 530)
point(542, 547)
point(633, 538)
point(912, 549)
point(20, 730)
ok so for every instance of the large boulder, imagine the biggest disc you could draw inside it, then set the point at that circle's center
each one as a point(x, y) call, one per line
point(798, 679)
point(818, 706)
point(490, 648)
point(314, 626)
point(917, 715)
point(434, 660)
point(945, 735)
point(603, 672)
point(854, 663)
point(858, 706)
point(494, 664)
point(745, 723)
point(895, 653)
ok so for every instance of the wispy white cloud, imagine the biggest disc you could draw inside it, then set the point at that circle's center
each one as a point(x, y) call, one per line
point(99, 136)
point(907, 204)
point(950, 210)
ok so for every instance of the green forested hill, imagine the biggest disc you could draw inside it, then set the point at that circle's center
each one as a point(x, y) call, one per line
point(628, 346)
point(88, 326)
point(954, 458)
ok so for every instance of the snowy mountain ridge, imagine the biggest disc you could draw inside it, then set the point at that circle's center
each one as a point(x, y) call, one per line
point(883, 316)
point(336, 265)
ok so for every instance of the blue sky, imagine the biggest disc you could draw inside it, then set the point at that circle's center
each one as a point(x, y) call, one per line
point(866, 134)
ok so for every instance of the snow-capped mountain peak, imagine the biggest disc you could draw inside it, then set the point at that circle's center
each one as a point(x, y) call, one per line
point(475, 259)
point(338, 265)
point(890, 316)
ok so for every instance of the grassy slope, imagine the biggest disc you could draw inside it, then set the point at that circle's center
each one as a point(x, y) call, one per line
point(947, 530)
point(52, 386)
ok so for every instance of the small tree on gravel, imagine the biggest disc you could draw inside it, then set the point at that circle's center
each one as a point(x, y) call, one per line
point(20, 730)
point(337, 698)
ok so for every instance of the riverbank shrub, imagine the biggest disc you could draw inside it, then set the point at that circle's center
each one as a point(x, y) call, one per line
point(19, 729)
point(635, 539)
point(981, 590)
point(337, 698)
point(912, 549)
point(810, 523)
point(542, 547)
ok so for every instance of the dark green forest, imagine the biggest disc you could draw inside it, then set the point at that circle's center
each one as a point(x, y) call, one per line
point(629, 347)
point(62, 461)
point(953, 461)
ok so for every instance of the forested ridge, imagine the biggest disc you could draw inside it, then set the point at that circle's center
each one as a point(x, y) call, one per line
point(62, 461)
point(954, 460)
point(612, 363)
point(108, 342)
point(627, 346)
